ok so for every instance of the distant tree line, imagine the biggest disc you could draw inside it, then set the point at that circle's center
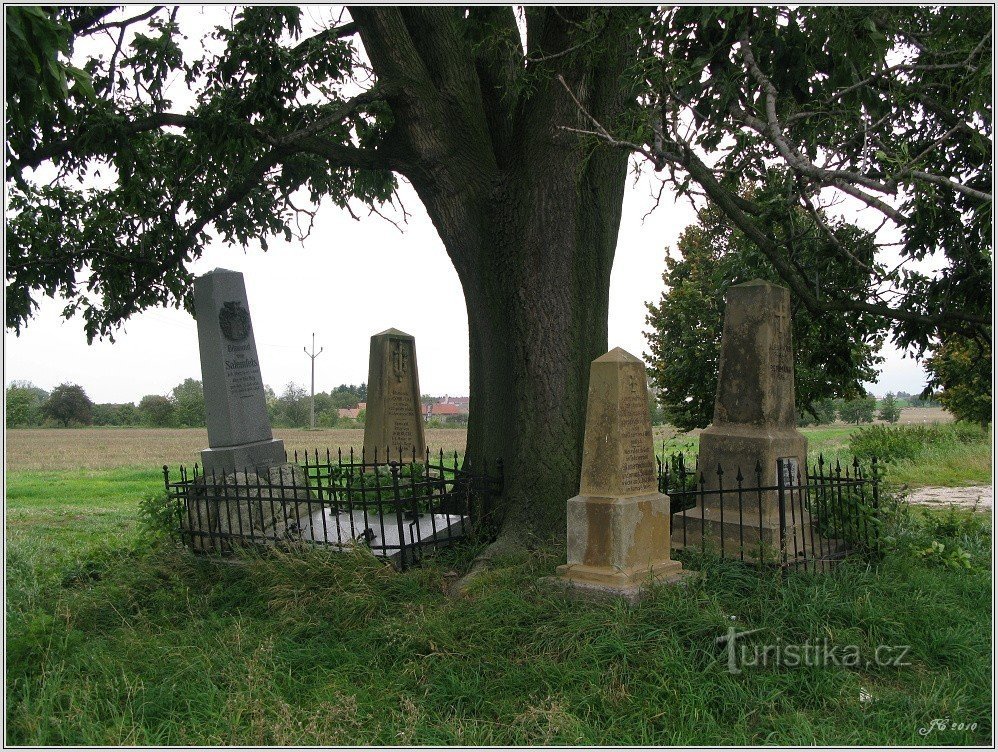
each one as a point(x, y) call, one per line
point(291, 408)
point(864, 409)
point(68, 405)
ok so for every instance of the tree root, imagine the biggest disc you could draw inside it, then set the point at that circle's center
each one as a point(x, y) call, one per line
point(505, 545)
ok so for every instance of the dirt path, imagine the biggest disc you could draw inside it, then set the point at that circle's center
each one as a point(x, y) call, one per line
point(968, 497)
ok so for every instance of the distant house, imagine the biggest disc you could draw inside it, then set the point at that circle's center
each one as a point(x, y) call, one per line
point(459, 402)
point(447, 411)
point(351, 412)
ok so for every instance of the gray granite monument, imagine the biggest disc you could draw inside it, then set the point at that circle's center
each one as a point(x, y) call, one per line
point(239, 433)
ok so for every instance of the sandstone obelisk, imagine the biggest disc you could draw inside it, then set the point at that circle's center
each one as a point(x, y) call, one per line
point(618, 525)
point(755, 423)
point(393, 427)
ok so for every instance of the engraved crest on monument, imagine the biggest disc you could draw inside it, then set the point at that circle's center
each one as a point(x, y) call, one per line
point(234, 321)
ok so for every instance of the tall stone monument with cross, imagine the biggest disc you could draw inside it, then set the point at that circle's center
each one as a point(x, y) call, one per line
point(393, 427)
point(239, 433)
point(618, 525)
point(755, 424)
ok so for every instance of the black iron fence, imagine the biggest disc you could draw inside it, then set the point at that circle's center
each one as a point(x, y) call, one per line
point(401, 506)
point(398, 507)
point(809, 518)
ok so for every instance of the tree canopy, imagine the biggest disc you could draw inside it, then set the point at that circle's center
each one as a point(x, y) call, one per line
point(157, 410)
point(67, 404)
point(962, 368)
point(834, 351)
point(889, 107)
point(23, 402)
point(890, 411)
point(858, 410)
point(242, 158)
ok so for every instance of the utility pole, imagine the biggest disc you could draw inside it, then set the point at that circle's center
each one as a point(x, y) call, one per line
point(311, 408)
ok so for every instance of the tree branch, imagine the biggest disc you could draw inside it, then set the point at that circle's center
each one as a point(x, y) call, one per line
point(351, 156)
point(127, 22)
point(303, 140)
point(940, 180)
point(498, 55)
point(236, 192)
point(703, 175)
point(731, 205)
point(774, 131)
point(62, 148)
point(376, 93)
point(88, 17)
point(303, 48)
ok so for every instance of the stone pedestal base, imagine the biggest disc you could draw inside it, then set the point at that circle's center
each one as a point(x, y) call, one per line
point(565, 584)
point(735, 447)
point(227, 508)
point(747, 540)
point(618, 545)
point(259, 455)
point(749, 525)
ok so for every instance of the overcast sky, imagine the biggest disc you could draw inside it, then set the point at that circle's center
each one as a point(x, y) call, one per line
point(348, 281)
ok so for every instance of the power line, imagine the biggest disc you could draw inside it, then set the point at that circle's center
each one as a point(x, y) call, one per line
point(311, 406)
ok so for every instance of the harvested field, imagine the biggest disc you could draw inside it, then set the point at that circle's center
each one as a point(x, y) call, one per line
point(104, 448)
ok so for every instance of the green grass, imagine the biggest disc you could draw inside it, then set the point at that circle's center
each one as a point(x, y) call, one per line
point(955, 454)
point(945, 467)
point(832, 441)
point(113, 641)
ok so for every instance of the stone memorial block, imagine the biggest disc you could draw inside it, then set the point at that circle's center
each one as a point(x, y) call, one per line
point(755, 421)
point(618, 525)
point(394, 419)
point(239, 434)
point(262, 506)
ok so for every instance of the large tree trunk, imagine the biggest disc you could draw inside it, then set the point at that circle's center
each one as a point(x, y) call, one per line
point(537, 317)
point(537, 302)
point(529, 215)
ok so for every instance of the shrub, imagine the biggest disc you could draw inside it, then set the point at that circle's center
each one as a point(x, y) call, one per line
point(157, 517)
point(953, 539)
point(889, 409)
point(894, 443)
point(378, 483)
point(859, 410)
point(156, 410)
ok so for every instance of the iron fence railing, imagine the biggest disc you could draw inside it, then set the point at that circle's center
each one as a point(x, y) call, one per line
point(401, 506)
point(810, 518)
point(398, 507)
